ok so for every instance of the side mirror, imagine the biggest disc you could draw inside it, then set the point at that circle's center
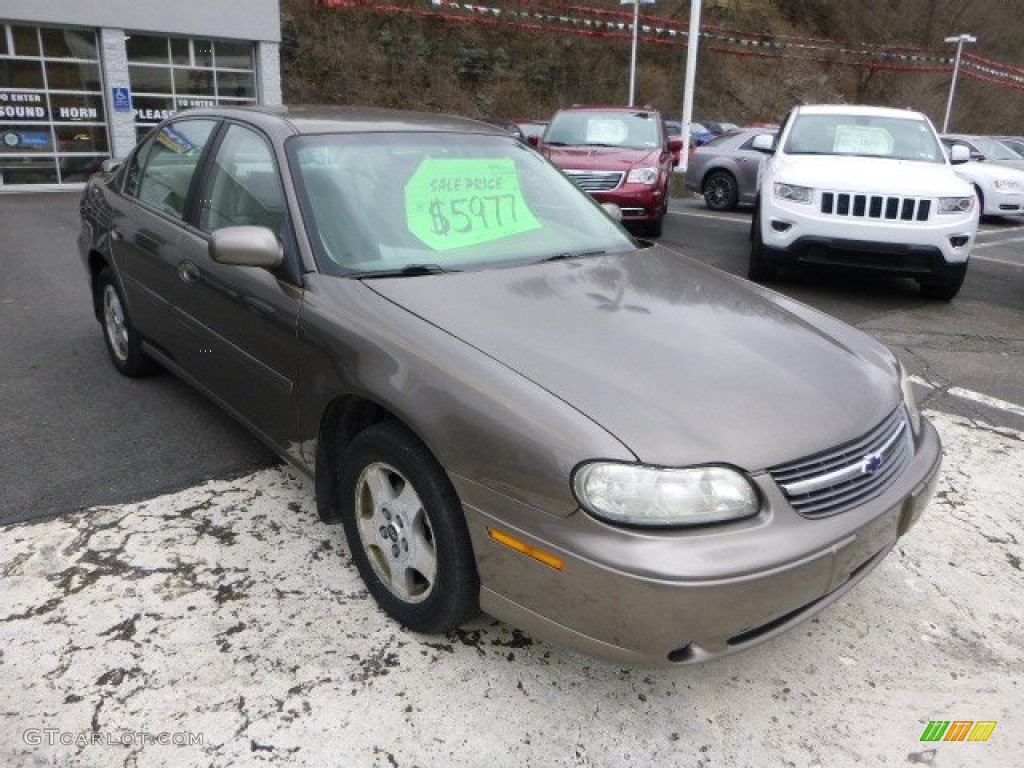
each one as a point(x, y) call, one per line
point(675, 144)
point(764, 142)
point(110, 165)
point(959, 154)
point(613, 211)
point(246, 247)
point(533, 141)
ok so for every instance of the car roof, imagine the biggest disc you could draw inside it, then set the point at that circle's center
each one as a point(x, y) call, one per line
point(855, 109)
point(345, 119)
point(608, 108)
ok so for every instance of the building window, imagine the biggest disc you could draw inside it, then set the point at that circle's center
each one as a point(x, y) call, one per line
point(170, 74)
point(53, 125)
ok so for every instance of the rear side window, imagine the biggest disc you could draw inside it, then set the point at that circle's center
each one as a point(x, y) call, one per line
point(243, 186)
point(170, 164)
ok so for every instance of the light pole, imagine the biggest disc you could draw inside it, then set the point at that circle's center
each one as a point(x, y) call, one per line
point(632, 58)
point(692, 40)
point(959, 40)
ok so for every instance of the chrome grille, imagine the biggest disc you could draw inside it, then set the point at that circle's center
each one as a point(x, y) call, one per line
point(879, 207)
point(837, 480)
point(596, 181)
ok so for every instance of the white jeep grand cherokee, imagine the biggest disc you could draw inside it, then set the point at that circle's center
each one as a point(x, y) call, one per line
point(863, 187)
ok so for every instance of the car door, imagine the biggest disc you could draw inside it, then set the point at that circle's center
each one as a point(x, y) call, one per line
point(242, 321)
point(147, 223)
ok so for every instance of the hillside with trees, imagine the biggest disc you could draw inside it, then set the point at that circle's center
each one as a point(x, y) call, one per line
point(757, 57)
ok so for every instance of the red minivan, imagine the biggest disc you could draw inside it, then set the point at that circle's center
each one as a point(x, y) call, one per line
point(617, 155)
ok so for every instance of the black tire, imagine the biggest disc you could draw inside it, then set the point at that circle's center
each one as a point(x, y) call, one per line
point(759, 268)
point(944, 289)
point(123, 342)
point(406, 531)
point(655, 227)
point(721, 193)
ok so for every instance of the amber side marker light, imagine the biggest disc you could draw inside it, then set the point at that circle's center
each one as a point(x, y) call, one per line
point(521, 546)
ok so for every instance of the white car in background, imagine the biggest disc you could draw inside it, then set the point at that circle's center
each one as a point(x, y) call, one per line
point(867, 188)
point(1000, 189)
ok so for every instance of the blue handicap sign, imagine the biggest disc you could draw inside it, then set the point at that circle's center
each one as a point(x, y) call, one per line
point(122, 99)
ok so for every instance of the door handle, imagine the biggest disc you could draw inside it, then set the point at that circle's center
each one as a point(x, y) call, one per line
point(188, 272)
point(115, 234)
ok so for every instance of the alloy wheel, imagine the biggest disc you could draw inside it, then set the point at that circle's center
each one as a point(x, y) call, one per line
point(395, 532)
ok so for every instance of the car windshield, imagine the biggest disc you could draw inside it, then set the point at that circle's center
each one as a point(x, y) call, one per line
point(416, 203)
point(614, 128)
point(896, 138)
point(1015, 144)
point(994, 150)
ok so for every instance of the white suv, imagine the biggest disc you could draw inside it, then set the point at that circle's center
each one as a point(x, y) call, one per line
point(863, 187)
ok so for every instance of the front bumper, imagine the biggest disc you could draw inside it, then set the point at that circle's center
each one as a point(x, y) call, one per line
point(1000, 203)
point(657, 598)
point(905, 259)
point(639, 202)
point(791, 227)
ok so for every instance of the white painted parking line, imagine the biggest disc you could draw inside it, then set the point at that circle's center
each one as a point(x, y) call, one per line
point(995, 243)
point(993, 260)
point(715, 216)
point(975, 397)
point(227, 618)
point(988, 402)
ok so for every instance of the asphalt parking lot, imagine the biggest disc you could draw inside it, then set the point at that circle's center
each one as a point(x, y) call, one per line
point(76, 433)
point(223, 616)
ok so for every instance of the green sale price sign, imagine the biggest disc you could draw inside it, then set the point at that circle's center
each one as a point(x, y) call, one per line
point(457, 203)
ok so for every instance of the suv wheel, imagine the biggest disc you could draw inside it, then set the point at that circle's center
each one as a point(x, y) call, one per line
point(759, 268)
point(944, 289)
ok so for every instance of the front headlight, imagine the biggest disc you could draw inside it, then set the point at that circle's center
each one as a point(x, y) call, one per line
point(910, 400)
point(956, 204)
point(642, 176)
point(793, 193)
point(1007, 185)
point(633, 494)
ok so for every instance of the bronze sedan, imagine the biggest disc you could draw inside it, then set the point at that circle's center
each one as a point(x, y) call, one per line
point(509, 403)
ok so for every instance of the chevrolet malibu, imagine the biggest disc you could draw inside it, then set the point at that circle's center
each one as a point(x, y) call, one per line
point(508, 403)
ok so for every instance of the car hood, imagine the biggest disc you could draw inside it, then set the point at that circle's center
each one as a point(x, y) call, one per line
point(869, 174)
point(601, 158)
point(987, 172)
point(1017, 165)
point(682, 363)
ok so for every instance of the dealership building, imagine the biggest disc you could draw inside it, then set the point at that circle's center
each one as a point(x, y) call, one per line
point(81, 81)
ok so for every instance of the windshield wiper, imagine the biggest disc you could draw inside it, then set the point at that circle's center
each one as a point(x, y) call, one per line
point(410, 270)
point(569, 255)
